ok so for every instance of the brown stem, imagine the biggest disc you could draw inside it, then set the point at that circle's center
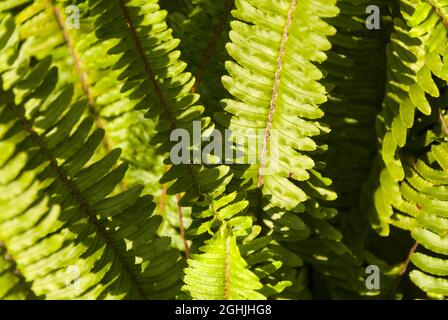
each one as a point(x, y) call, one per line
point(23, 283)
point(161, 209)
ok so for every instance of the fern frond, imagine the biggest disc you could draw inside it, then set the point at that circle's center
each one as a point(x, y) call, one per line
point(326, 129)
point(220, 273)
point(80, 57)
point(356, 73)
point(411, 173)
point(13, 285)
point(414, 61)
point(274, 265)
point(423, 210)
point(162, 87)
point(355, 79)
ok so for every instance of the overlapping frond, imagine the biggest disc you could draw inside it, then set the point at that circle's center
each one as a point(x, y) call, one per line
point(220, 273)
point(356, 73)
point(204, 32)
point(310, 96)
point(81, 60)
point(60, 218)
point(154, 76)
point(277, 88)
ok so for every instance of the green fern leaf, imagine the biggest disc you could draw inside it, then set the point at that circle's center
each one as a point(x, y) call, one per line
point(220, 273)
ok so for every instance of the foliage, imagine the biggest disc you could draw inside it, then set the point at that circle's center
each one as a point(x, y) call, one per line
point(352, 160)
